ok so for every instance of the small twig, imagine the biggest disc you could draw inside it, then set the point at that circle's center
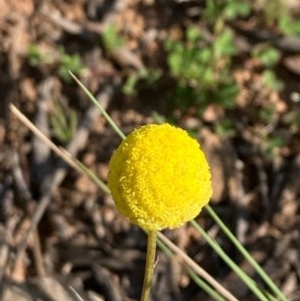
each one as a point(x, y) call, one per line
point(88, 27)
point(77, 296)
point(66, 25)
point(6, 238)
point(18, 177)
point(37, 254)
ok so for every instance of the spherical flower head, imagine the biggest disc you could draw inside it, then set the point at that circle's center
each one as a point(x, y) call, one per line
point(159, 177)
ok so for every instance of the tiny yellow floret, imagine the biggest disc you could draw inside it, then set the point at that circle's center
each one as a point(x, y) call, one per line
point(159, 177)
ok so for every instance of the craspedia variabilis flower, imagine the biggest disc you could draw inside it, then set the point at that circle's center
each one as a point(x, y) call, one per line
point(159, 177)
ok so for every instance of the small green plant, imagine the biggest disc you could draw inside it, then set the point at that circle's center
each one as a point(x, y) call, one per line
point(69, 62)
point(268, 57)
point(63, 121)
point(202, 66)
point(202, 69)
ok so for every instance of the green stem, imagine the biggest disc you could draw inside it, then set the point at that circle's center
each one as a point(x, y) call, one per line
point(246, 279)
point(98, 105)
point(150, 260)
point(246, 254)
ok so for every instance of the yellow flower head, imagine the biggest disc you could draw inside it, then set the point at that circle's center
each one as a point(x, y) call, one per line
point(159, 177)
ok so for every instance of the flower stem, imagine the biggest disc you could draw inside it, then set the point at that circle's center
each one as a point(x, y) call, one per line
point(150, 259)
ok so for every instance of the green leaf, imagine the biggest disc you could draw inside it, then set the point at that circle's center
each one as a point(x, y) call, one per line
point(269, 56)
point(192, 34)
point(224, 45)
point(34, 55)
point(112, 39)
point(227, 94)
point(69, 62)
point(175, 63)
point(129, 87)
point(205, 55)
point(289, 27)
point(236, 8)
